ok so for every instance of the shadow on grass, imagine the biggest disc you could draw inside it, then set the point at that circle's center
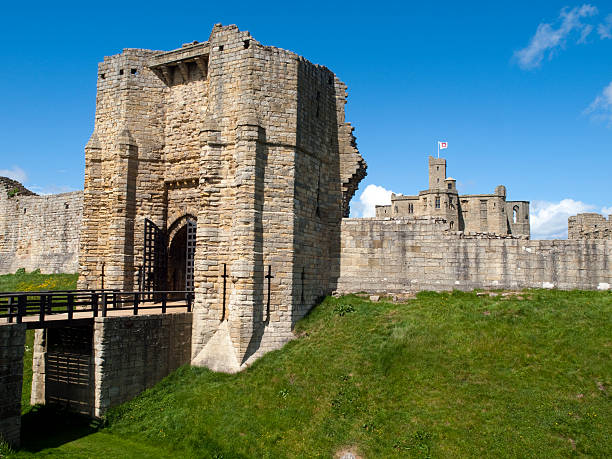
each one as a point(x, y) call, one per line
point(49, 427)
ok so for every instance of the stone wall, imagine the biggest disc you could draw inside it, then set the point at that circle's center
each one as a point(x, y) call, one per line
point(589, 226)
point(12, 342)
point(399, 255)
point(133, 353)
point(39, 232)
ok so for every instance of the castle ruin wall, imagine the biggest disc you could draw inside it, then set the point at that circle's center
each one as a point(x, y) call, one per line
point(401, 255)
point(589, 226)
point(39, 232)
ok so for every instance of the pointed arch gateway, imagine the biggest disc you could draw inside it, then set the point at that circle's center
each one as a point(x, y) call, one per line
point(181, 253)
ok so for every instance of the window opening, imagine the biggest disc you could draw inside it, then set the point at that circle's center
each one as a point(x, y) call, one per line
point(515, 211)
point(483, 209)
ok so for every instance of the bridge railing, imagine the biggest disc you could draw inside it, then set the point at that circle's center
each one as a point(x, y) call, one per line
point(14, 306)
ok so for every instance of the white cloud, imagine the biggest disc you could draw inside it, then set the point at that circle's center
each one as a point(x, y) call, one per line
point(605, 28)
point(606, 210)
point(549, 37)
point(549, 219)
point(372, 196)
point(15, 173)
point(601, 107)
point(586, 30)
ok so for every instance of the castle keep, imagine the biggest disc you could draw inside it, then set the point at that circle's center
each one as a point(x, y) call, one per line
point(222, 158)
point(471, 213)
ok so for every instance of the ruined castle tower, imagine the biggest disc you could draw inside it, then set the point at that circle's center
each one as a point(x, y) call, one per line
point(232, 157)
point(471, 213)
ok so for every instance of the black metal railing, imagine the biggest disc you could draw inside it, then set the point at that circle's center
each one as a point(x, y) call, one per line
point(14, 306)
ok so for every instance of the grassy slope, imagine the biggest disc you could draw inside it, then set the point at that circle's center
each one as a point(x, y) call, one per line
point(31, 282)
point(447, 375)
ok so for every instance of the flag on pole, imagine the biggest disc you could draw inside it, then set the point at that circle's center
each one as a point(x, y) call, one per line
point(442, 145)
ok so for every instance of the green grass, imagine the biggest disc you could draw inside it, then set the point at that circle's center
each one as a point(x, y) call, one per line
point(444, 375)
point(35, 281)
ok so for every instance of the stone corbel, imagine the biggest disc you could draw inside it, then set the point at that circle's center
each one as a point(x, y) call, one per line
point(184, 71)
point(167, 75)
point(202, 64)
point(161, 75)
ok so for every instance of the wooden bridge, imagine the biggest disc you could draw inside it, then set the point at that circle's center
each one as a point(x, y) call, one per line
point(67, 307)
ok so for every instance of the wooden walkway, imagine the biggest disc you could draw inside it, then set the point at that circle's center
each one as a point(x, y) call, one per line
point(52, 309)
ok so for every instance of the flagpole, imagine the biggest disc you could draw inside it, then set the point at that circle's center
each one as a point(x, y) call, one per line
point(438, 142)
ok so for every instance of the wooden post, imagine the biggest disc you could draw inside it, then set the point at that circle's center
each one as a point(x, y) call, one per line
point(269, 276)
point(103, 304)
point(102, 280)
point(41, 312)
point(224, 290)
point(49, 301)
point(21, 308)
point(188, 301)
point(70, 305)
point(10, 309)
point(136, 303)
point(94, 304)
point(164, 298)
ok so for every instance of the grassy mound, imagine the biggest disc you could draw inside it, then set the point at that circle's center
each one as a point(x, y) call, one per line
point(444, 375)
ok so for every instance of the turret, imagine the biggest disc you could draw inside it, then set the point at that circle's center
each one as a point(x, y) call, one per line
point(437, 173)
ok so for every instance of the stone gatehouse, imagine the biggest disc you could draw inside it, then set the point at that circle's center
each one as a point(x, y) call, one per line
point(211, 167)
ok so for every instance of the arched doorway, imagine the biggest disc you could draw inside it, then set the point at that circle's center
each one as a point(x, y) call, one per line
point(181, 253)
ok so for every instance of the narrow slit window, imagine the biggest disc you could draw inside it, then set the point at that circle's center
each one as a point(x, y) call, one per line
point(515, 212)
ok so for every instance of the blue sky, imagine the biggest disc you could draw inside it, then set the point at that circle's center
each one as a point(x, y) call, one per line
point(520, 90)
